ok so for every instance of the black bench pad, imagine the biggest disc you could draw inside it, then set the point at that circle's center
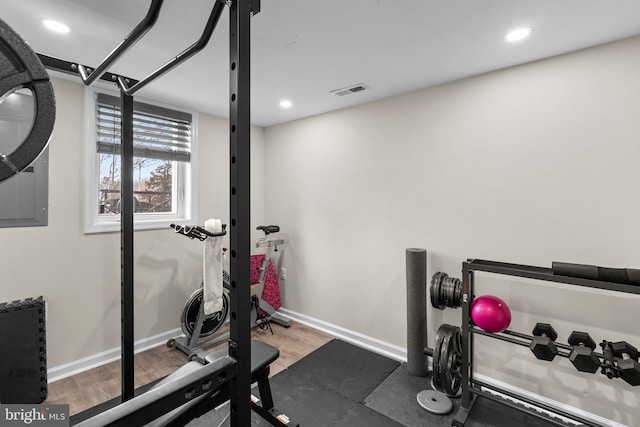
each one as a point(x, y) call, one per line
point(262, 355)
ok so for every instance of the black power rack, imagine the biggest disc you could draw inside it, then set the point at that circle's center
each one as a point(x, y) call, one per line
point(472, 387)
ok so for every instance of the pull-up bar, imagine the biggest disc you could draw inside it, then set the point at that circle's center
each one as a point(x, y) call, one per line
point(214, 17)
point(88, 76)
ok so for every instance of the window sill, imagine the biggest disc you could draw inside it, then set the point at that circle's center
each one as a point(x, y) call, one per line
point(155, 224)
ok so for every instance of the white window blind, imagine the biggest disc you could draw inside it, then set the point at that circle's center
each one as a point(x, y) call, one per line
point(158, 132)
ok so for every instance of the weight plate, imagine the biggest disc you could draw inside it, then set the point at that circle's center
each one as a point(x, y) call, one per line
point(452, 289)
point(435, 377)
point(458, 394)
point(447, 356)
point(434, 402)
point(435, 291)
point(445, 291)
point(452, 365)
point(432, 295)
point(445, 350)
point(450, 284)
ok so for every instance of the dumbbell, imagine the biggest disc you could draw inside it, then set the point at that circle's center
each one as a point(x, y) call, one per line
point(542, 345)
point(608, 366)
point(582, 355)
point(628, 366)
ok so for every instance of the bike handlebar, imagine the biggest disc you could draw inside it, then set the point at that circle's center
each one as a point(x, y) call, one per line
point(196, 232)
point(268, 229)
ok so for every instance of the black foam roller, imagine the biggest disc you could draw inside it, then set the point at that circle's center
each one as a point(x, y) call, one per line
point(616, 275)
point(416, 311)
point(634, 276)
point(575, 270)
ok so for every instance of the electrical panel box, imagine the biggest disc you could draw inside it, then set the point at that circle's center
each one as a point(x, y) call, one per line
point(24, 197)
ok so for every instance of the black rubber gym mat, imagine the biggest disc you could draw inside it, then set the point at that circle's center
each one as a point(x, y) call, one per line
point(396, 398)
point(326, 388)
point(308, 403)
point(346, 369)
point(361, 416)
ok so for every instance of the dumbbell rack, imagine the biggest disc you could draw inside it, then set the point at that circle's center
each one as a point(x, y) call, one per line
point(471, 387)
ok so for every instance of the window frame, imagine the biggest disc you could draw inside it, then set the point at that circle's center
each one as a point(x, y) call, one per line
point(184, 174)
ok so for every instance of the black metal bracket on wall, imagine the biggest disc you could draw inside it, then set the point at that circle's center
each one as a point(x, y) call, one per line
point(471, 387)
point(66, 67)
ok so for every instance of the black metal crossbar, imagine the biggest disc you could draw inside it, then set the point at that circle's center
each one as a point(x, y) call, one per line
point(89, 75)
point(196, 47)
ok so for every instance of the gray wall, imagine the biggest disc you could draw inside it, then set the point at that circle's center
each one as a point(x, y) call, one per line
point(529, 165)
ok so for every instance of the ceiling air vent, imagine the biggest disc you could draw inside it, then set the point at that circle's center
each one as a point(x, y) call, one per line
point(351, 89)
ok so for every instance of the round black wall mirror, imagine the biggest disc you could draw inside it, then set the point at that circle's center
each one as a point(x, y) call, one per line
point(27, 104)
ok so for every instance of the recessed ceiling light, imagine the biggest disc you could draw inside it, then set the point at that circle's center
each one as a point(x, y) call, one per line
point(56, 26)
point(285, 103)
point(518, 34)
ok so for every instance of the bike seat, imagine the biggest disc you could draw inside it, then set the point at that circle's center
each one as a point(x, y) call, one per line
point(268, 229)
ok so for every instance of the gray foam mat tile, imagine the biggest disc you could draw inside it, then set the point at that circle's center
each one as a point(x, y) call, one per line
point(396, 398)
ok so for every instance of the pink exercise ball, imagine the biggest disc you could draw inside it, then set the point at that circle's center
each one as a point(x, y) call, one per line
point(490, 313)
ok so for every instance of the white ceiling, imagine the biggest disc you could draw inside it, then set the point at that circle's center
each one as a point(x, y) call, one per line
point(303, 49)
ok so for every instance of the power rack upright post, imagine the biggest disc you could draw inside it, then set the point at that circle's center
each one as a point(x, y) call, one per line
point(240, 193)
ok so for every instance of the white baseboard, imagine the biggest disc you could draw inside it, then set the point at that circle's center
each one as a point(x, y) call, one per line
point(377, 346)
point(86, 363)
point(77, 366)
point(400, 354)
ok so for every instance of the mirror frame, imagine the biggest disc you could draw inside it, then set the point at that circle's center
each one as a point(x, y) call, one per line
point(21, 68)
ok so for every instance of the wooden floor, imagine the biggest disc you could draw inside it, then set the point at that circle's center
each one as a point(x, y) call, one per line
point(90, 388)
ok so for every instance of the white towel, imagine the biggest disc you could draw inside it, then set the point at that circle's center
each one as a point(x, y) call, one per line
point(212, 268)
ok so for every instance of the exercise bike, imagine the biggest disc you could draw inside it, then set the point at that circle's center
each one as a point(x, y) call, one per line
point(196, 325)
